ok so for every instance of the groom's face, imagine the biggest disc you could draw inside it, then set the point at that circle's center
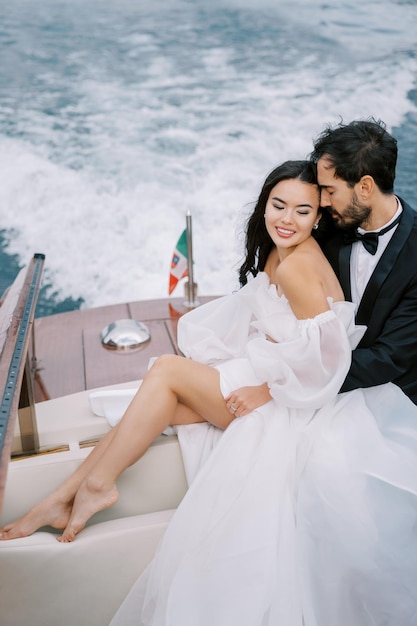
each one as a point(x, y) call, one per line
point(339, 199)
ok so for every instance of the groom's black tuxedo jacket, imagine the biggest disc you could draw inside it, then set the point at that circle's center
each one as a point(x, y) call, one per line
point(388, 350)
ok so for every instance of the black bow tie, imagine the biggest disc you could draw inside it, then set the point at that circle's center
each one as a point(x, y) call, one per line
point(369, 240)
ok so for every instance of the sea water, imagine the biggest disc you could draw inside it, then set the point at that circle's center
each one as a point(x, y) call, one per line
point(118, 117)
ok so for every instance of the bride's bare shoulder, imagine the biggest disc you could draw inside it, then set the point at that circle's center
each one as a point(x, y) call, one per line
point(301, 278)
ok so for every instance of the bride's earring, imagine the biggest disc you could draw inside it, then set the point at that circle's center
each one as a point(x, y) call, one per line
point(315, 227)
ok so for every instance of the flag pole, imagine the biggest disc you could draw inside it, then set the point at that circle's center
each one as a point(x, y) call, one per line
point(190, 286)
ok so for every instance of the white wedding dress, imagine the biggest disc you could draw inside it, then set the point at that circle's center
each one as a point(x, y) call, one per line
point(304, 513)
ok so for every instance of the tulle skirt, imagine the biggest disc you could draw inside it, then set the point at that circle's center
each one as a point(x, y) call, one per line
point(295, 518)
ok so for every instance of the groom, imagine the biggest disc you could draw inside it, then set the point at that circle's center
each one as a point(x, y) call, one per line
point(378, 272)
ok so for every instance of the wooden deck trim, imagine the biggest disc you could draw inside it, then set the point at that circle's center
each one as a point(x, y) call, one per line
point(13, 362)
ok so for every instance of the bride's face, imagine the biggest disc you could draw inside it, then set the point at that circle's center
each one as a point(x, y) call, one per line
point(291, 212)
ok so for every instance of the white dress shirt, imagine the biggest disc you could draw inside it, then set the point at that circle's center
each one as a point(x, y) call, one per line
point(362, 263)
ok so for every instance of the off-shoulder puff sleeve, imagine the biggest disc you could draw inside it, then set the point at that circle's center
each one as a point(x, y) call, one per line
point(307, 368)
point(306, 362)
point(216, 331)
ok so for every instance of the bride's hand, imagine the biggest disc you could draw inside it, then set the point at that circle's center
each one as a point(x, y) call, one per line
point(246, 399)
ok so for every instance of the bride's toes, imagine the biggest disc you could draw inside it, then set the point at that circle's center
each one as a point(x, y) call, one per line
point(4, 532)
point(68, 535)
point(16, 530)
point(52, 511)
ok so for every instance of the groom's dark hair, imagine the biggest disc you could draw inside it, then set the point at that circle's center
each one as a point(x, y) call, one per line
point(361, 148)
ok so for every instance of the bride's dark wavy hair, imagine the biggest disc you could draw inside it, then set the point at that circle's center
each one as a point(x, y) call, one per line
point(258, 243)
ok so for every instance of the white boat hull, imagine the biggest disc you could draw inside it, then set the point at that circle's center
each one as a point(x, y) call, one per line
point(45, 582)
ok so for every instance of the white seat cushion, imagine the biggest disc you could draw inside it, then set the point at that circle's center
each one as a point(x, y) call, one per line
point(46, 582)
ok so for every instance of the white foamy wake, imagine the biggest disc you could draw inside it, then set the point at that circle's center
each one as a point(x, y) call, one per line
point(107, 206)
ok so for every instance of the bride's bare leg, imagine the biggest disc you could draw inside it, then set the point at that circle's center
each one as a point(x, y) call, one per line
point(55, 509)
point(176, 390)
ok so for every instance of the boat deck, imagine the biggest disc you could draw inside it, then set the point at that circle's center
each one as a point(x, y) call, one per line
point(70, 355)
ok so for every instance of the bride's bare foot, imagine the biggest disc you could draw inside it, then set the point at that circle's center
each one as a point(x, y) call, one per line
point(93, 496)
point(52, 511)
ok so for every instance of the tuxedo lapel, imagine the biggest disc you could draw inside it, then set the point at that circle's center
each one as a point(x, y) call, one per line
point(344, 270)
point(385, 265)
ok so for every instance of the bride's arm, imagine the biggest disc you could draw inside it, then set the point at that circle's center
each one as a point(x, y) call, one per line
point(247, 399)
point(309, 362)
point(305, 293)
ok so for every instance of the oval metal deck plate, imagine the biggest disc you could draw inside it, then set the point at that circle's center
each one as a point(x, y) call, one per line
point(125, 335)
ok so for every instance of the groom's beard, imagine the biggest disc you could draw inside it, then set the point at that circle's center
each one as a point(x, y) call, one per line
point(354, 215)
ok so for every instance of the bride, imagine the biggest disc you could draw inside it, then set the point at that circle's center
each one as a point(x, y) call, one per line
point(304, 513)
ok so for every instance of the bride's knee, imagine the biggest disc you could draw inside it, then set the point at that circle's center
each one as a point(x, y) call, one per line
point(165, 364)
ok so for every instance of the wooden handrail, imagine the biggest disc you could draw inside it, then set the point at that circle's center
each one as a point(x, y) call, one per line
point(13, 361)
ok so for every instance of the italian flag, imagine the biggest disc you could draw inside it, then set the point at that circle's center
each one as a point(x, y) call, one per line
point(179, 267)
